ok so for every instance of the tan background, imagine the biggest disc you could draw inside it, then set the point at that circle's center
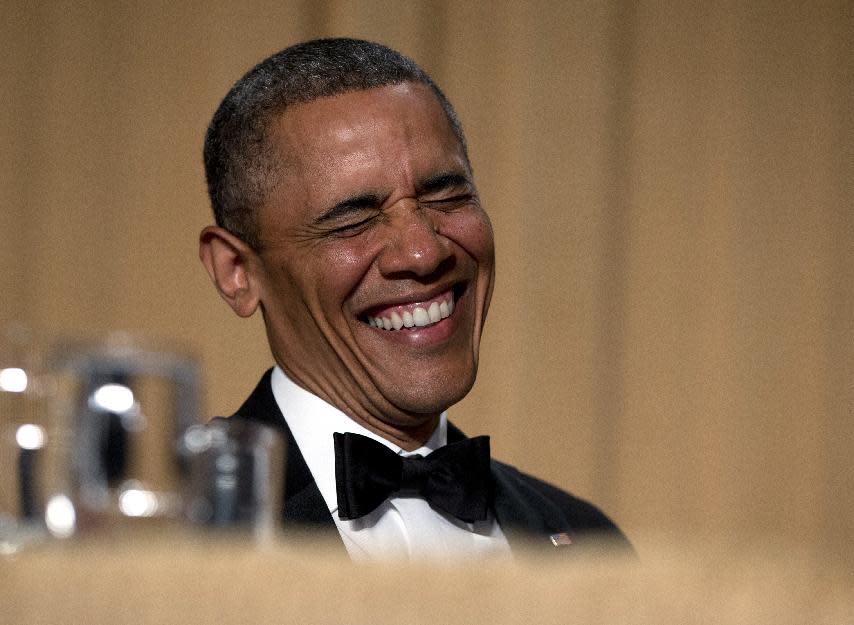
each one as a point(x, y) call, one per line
point(672, 332)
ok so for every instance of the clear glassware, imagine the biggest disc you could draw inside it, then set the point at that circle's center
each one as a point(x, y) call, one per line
point(236, 477)
point(28, 469)
point(103, 438)
point(124, 406)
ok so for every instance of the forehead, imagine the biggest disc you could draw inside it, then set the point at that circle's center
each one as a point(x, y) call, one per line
point(383, 137)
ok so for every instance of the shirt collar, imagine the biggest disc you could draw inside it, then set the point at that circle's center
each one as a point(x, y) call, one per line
point(312, 422)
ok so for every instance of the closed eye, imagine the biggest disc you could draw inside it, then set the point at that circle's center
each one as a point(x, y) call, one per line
point(446, 191)
point(450, 203)
point(350, 216)
point(353, 228)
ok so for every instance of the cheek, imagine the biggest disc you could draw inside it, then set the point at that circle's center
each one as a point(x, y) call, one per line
point(336, 272)
point(472, 231)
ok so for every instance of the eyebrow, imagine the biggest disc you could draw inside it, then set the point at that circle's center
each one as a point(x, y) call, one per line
point(347, 207)
point(443, 181)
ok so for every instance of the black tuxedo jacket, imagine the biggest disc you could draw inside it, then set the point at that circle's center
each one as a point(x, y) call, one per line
point(529, 511)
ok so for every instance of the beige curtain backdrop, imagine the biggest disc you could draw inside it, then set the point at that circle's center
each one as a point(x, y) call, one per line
point(672, 333)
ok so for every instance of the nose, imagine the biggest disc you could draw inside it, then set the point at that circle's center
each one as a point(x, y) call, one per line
point(414, 245)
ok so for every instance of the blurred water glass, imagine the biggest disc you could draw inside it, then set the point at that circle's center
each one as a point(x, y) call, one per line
point(28, 469)
point(21, 504)
point(236, 476)
point(124, 405)
point(99, 438)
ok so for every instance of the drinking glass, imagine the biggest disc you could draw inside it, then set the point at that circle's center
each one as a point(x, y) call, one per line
point(124, 405)
point(27, 466)
point(236, 476)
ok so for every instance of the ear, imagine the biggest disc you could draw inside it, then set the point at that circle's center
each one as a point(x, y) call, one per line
point(229, 262)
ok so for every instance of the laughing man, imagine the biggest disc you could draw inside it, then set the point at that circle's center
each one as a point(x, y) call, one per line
point(347, 212)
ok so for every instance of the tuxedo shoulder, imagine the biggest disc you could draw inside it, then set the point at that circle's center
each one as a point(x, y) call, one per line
point(261, 405)
point(578, 514)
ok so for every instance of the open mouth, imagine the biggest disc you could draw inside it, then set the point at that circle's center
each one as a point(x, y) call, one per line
point(416, 314)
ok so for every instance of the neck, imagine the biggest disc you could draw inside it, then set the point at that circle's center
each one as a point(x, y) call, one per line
point(408, 439)
point(407, 430)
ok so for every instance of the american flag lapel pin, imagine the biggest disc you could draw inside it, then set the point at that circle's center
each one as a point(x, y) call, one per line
point(561, 540)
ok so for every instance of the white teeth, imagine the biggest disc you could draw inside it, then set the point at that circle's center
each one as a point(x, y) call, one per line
point(408, 321)
point(421, 317)
point(396, 321)
point(433, 312)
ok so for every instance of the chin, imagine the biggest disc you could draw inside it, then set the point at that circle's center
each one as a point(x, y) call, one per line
point(432, 396)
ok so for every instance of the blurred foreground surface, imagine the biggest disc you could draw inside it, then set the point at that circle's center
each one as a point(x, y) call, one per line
point(158, 580)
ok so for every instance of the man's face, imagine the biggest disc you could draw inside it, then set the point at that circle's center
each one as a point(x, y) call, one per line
point(376, 221)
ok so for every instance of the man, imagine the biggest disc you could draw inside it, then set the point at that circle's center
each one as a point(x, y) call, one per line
point(347, 213)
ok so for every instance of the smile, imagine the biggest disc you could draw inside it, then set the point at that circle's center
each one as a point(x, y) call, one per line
point(415, 315)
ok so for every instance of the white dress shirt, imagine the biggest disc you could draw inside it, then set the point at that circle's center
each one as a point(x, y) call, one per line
point(400, 528)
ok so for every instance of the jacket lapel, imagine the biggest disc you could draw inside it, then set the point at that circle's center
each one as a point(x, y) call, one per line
point(304, 505)
point(527, 519)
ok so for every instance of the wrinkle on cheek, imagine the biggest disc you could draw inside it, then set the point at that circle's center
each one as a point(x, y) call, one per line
point(346, 256)
point(473, 233)
point(345, 265)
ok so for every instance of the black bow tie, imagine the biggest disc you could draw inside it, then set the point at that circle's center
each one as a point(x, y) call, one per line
point(454, 478)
